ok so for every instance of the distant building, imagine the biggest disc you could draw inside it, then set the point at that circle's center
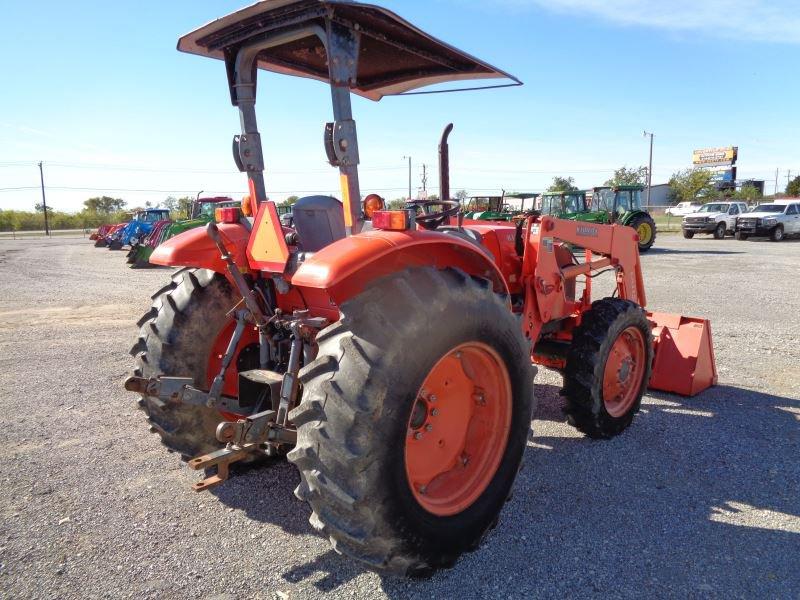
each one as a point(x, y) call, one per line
point(659, 195)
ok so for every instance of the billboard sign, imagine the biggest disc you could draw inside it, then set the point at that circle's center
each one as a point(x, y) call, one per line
point(715, 157)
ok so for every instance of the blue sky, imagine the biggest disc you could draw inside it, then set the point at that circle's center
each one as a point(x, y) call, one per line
point(98, 92)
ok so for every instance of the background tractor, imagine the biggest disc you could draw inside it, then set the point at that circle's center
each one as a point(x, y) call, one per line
point(137, 228)
point(347, 350)
point(201, 213)
point(498, 208)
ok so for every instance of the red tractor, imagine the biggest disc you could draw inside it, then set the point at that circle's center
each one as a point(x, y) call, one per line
point(392, 366)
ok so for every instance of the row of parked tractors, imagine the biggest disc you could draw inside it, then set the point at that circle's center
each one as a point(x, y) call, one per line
point(149, 228)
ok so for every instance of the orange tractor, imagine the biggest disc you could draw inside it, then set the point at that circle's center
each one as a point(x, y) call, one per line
point(391, 363)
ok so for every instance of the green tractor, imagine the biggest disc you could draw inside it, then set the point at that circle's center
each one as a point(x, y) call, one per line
point(202, 213)
point(618, 204)
point(496, 208)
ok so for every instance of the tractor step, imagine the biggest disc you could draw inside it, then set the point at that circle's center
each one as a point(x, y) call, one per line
point(684, 360)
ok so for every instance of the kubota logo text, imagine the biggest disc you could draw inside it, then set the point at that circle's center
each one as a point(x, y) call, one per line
point(586, 231)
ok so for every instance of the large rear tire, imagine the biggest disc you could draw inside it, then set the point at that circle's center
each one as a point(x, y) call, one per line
point(418, 356)
point(176, 338)
point(688, 234)
point(719, 231)
point(608, 367)
point(645, 228)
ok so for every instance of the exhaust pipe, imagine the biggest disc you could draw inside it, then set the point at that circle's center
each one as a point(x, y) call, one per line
point(444, 164)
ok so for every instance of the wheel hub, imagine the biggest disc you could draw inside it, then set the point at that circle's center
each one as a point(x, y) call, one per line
point(623, 372)
point(458, 428)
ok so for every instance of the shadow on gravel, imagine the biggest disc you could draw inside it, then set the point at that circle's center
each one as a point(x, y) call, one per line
point(700, 497)
point(656, 250)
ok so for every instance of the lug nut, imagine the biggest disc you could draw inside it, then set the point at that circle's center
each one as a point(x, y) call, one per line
point(428, 427)
point(422, 489)
point(418, 435)
point(432, 398)
point(434, 412)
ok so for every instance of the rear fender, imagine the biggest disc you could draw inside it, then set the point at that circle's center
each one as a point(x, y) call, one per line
point(194, 248)
point(348, 266)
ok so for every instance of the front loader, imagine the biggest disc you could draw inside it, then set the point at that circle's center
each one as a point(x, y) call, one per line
point(347, 348)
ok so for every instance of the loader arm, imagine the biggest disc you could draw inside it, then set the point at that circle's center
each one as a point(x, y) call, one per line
point(607, 246)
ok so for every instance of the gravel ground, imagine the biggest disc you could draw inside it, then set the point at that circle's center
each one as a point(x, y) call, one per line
point(699, 498)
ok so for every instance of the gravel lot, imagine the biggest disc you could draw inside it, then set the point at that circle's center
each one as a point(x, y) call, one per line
point(699, 498)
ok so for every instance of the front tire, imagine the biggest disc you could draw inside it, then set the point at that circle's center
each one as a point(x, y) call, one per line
point(608, 367)
point(776, 235)
point(719, 231)
point(392, 374)
point(741, 236)
point(688, 234)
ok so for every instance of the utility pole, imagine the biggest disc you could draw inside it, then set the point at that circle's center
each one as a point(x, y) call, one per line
point(424, 180)
point(788, 177)
point(649, 170)
point(44, 200)
point(776, 181)
point(409, 176)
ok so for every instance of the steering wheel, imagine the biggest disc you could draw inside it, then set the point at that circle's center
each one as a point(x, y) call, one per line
point(432, 220)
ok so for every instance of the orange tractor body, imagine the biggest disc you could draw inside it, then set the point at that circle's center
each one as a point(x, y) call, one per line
point(388, 353)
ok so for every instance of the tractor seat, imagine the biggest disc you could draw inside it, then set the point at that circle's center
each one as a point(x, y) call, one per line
point(318, 222)
point(469, 235)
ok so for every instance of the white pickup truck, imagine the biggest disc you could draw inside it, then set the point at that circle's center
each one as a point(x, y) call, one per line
point(717, 218)
point(775, 220)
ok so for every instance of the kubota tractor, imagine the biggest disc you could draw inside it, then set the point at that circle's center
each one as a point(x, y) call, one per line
point(349, 351)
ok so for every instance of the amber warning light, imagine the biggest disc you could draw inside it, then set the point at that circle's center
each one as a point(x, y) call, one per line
point(391, 220)
point(228, 214)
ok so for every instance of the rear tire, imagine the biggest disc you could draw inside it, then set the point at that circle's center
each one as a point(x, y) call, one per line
point(360, 395)
point(776, 235)
point(588, 407)
point(175, 339)
point(741, 236)
point(645, 228)
point(719, 231)
point(688, 234)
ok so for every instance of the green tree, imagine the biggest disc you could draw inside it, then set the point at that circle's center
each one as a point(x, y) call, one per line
point(170, 203)
point(184, 206)
point(104, 204)
point(626, 176)
point(290, 201)
point(396, 204)
point(793, 187)
point(692, 184)
point(461, 195)
point(748, 193)
point(562, 184)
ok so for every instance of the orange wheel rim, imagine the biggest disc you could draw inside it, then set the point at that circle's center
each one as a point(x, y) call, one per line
point(458, 429)
point(623, 373)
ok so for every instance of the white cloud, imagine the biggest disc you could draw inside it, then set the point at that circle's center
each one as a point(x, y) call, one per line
point(761, 20)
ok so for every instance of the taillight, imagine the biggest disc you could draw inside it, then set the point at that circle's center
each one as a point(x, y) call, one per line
point(229, 214)
point(391, 220)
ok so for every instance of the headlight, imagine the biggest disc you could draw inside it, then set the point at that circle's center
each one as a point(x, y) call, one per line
point(770, 222)
point(709, 219)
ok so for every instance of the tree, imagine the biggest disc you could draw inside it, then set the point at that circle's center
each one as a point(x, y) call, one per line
point(748, 193)
point(396, 204)
point(693, 184)
point(793, 187)
point(170, 203)
point(39, 207)
point(184, 206)
point(461, 195)
point(562, 184)
point(104, 204)
point(290, 201)
point(626, 176)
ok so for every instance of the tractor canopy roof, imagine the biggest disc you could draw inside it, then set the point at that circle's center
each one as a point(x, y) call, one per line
point(394, 56)
point(523, 195)
point(569, 193)
point(619, 188)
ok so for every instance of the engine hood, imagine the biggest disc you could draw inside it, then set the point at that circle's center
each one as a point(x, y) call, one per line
point(704, 214)
point(762, 215)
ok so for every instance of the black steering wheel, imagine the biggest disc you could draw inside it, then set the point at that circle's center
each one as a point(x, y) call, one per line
point(432, 220)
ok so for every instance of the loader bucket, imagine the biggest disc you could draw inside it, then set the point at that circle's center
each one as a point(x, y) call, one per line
point(684, 354)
